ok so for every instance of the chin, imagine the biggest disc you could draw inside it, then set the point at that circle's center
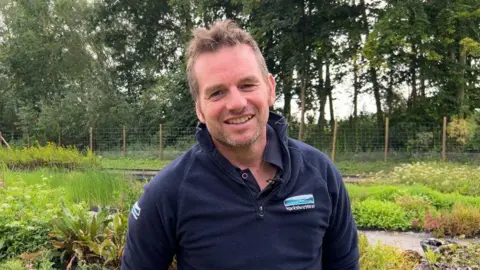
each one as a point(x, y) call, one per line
point(239, 142)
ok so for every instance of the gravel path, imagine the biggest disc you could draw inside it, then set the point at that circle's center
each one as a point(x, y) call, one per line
point(405, 240)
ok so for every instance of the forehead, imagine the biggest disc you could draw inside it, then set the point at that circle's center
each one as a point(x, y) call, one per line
point(226, 66)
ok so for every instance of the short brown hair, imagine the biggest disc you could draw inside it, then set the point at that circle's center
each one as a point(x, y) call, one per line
point(222, 33)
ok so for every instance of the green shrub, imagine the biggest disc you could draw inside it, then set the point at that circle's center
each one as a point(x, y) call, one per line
point(25, 216)
point(444, 177)
point(46, 156)
point(372, 213)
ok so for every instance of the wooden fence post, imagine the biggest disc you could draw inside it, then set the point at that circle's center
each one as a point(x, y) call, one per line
point(124, 135)
point(334, 141)
point(386, 138)
point(91, 140)
point(160, 140)
point(444, 139)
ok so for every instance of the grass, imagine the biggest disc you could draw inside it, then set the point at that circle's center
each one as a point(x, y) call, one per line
point(363, 168)
point(132, 163)
point(93, 187)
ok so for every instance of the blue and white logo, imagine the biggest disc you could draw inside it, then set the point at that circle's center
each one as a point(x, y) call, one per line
point(136, 210)
point(300, 202)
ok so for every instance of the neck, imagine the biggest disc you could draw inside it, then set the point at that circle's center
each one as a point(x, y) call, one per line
point(244, 157)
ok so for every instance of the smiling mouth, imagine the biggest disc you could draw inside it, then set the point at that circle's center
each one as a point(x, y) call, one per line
point(239, 120)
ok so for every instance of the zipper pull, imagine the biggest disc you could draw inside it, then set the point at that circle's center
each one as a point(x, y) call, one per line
point(260, 211)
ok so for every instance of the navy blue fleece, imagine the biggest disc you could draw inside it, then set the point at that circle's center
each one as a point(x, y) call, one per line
point(212, 215)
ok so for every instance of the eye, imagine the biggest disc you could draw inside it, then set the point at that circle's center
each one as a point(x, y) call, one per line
point(217, 93)
point(247, 86)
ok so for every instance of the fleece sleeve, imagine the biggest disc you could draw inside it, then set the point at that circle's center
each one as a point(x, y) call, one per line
point(340, 248)
point(150, 240)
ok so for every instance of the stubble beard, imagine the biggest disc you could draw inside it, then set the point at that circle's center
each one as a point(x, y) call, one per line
point(232, 143)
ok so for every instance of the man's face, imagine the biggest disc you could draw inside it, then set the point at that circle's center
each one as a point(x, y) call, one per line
point(234, 97)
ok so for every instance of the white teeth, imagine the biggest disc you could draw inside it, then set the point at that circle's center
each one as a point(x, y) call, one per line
point(239, 120)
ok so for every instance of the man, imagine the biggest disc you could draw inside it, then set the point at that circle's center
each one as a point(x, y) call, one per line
point(246, 196)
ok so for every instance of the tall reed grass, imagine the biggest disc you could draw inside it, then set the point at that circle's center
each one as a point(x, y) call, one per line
point(93, 187)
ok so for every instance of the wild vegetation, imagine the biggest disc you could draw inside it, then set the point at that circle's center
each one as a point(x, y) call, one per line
point(52, 218)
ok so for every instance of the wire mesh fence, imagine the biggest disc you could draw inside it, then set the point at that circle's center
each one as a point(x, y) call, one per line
point(361, 141)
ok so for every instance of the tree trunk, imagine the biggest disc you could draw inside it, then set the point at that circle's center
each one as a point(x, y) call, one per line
point(304, 76)
point(356, 89)
point(376, 94)
point(413, 77)
point(322, 96)
point(461, 83)
point(302, 106)
point(390, 86)
point(422, 73)
point(372, 71)
point(328, 88)
point(287, 95)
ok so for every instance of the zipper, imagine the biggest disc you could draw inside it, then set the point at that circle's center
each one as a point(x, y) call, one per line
point(260, 209)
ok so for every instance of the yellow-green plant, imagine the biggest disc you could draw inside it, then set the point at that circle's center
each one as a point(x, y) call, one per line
point(28, 158)
point(383, 257)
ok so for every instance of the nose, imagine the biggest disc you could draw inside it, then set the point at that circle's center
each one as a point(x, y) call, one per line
point(236, 102)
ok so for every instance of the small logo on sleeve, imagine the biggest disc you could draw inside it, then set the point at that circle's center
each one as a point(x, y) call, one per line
point(136, 210)
point(300, 202)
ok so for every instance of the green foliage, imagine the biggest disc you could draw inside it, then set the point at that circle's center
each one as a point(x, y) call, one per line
point(25, 214)
point(90, 238)
point(46, 156)
point(390, 193)
point(133, 163)
point(447, 178)
point(379, 214)
point(12, 265)
point(382, 257)
point(94, 187)
point(414, 207)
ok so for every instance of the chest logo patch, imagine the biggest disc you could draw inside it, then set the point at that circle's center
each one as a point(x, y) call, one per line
point(300, 202)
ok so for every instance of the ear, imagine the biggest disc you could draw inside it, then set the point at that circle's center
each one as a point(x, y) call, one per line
point(271, 94)
point(199, 112)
